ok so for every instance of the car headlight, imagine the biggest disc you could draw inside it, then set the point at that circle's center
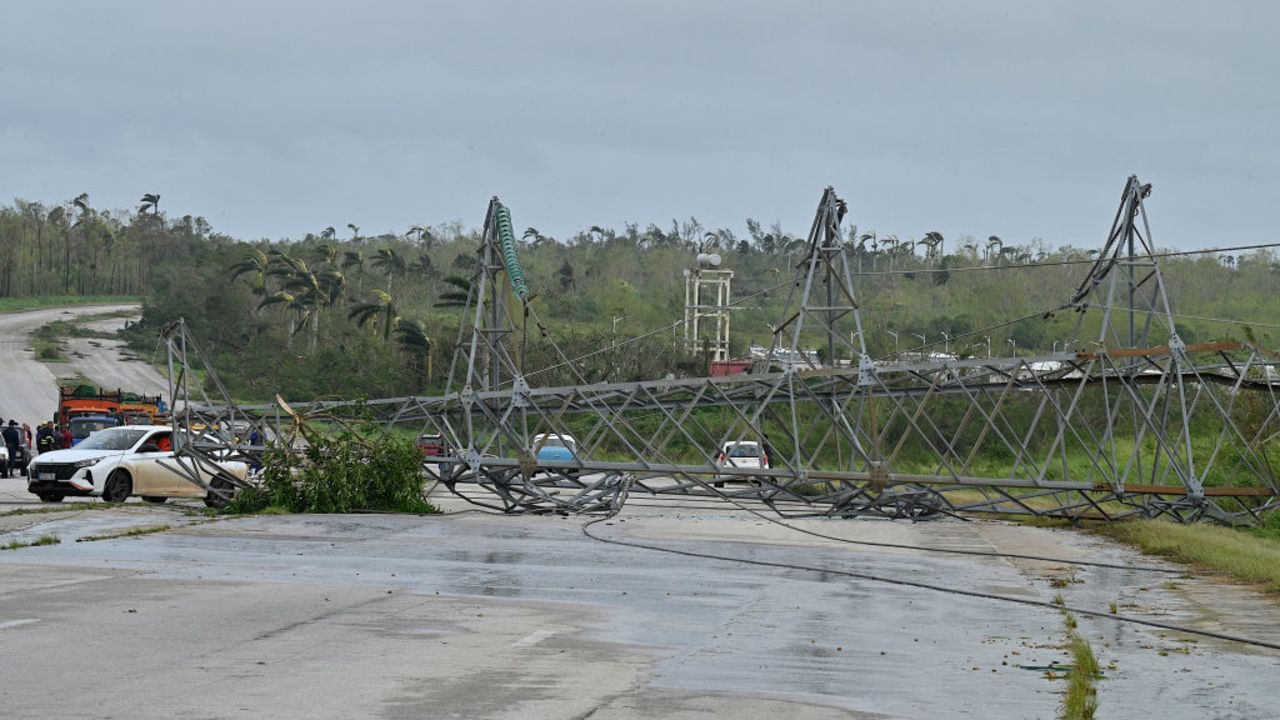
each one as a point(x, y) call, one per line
point(86, 463)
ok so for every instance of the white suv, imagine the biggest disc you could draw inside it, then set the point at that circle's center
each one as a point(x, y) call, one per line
point(747, 454)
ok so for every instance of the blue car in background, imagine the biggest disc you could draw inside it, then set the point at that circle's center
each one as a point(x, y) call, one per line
point(85, 425)
point(557, 448)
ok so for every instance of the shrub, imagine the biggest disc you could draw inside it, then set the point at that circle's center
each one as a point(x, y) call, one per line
point(345, 471)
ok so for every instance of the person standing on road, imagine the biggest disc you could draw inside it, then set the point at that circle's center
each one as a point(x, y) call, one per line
point(26, 431)
point(12, 441)
point(65, 434)
point(44, 438)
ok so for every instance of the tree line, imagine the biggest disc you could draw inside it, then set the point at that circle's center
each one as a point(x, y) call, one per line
point(349, 313)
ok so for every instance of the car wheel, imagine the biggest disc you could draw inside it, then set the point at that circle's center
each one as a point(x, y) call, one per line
point(154, 499)
point(214, 500)
point(50, 497)
point(5, 471)
point(118, 488)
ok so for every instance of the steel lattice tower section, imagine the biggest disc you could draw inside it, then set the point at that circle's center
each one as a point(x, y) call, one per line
point(1104, 432)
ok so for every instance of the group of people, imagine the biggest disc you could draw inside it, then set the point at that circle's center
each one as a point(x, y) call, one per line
point(20, 441)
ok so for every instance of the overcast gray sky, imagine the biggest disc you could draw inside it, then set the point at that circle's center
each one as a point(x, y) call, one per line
point(1020, 119)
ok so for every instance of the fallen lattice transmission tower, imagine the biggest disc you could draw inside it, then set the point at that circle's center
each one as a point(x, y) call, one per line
point(1106, 431)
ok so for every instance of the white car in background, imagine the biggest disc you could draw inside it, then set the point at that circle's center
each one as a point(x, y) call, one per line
point(747, 454)
point(120, 462)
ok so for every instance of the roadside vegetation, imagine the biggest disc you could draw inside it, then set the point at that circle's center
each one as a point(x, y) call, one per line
point(39, 302)
point(42, 540)
point(131, 532)
point(1250, 556)
point(1080, 701)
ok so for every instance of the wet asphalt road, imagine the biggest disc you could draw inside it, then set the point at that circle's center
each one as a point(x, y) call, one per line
point(503, 617)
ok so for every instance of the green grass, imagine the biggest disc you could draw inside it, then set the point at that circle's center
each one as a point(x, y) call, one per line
point(11, 305)
point(42, 540)
point(1080, 702)
point(44, 509)
point(132, 532)
point(1247, 557)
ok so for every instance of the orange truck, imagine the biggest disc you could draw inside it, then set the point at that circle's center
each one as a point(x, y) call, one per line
point(86, 400)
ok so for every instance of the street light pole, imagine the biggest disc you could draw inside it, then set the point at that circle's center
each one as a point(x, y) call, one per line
point(988, 339)
point(946, 343)
point(1014, 344)
point(895, 343)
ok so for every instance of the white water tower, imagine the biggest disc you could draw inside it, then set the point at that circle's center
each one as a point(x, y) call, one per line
point(706, 306)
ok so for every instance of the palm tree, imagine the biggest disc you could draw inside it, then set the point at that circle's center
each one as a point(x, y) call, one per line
point(933, 241)
point(380, 311)
point(311, 290)
point(994, 242)
point(423, 267)
point(391, 263)
point(293, 304)
point(566, 277)
point(459, 296)
point(355, 259)
point(256, 263)
point(150, 201)
point(328, 253)
point(419, 234)
point(328, 233)
point(355, 232)
point(414, 341)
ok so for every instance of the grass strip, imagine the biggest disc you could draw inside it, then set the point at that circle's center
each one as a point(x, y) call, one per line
point(42, 540)
point(1080, 702)
point(131, 532)
point(1247, 557)
point(10, 305)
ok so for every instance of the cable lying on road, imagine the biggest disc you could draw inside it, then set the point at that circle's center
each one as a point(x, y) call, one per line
point(929, 586)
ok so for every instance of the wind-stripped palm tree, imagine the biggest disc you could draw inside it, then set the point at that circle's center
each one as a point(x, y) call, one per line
point(423, 267)
point(994, 242)
point(257, 264)
point(150, 201)
point(380, 312)
point(421, 235)
point(312, 290)
point(355, 259)
point(296, 309)
point(390, 262)
point(458, 296)
point(933, 242)
point(415, 343)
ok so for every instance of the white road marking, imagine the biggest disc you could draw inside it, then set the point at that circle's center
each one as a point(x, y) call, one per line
point(6, 624)
point(533, 638)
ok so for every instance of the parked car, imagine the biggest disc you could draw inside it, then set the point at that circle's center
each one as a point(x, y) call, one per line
point(552, 448)
point(85, 425)
point(18, 462)
point(742, 454)
point(120, 462)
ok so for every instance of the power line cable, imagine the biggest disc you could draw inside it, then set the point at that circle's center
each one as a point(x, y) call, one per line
point(920, 585)
point(1062, 263)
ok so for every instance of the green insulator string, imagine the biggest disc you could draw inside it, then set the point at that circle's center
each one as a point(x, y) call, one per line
point(510, 254)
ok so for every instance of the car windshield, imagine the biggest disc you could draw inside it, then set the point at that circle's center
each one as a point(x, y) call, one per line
point(744, 450)
point(112, 439)
point(81, 428)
